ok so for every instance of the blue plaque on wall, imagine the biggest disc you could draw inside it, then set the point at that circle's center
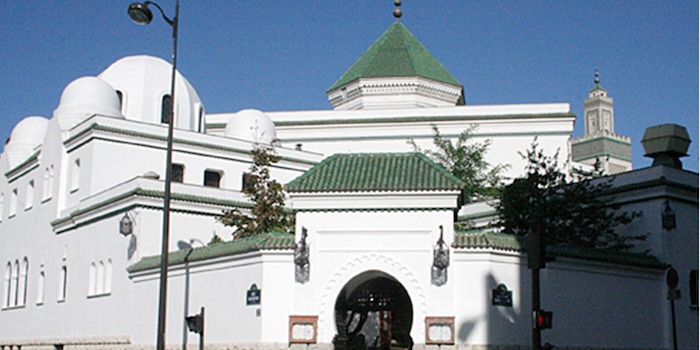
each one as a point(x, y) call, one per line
point(501, 296)
point(253, 295)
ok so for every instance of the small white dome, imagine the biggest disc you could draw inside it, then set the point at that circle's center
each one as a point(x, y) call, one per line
point(251, 125)
point(26, 136)
point(144, 81)
point(85, 97)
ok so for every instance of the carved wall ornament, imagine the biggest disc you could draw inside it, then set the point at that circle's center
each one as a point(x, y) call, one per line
point(301, 259)
point(441, 261)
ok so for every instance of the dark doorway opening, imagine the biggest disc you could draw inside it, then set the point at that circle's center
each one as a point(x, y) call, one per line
point(373, 311)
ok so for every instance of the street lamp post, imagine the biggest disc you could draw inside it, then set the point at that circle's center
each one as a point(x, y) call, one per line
point(141, 14)
point(189, 247)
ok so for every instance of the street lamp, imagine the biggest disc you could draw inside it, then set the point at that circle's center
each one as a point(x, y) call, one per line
point(188, 247)
point(141, 14)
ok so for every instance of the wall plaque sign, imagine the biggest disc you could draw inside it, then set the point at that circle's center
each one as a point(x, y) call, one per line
point(501, 296)
point(253, 295)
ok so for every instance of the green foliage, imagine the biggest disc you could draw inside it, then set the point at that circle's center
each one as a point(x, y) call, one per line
point(467, 161)
point(268, 213)
point(215, 239)
point(575, 213)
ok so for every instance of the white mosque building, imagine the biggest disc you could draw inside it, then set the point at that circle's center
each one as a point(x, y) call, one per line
point(374, 262)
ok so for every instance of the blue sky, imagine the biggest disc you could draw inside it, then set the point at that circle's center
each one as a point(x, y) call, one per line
point(284, 54)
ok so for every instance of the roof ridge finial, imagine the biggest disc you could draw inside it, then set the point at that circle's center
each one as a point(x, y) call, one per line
point(397, 11)
point(597, 76)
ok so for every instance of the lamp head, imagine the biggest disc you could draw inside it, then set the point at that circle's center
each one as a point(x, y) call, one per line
point(140, 13)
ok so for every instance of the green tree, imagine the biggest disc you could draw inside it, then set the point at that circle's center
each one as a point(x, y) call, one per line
point(268, 213)
point(466, 160)
point(573, 213)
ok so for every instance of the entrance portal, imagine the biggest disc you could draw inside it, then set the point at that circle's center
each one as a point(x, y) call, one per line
point(373, 311)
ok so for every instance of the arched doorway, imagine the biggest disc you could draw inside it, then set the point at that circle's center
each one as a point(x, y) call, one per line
point(373, 311)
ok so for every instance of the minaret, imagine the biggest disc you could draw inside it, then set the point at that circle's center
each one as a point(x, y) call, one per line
point(600, 147)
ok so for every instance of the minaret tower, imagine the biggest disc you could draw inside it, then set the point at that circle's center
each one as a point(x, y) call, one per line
point(600, 147)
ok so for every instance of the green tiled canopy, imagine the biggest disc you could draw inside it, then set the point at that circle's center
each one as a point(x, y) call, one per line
point(375, 172)
point(397, 53)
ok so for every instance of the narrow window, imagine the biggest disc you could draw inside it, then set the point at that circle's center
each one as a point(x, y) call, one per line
point(100, 278)
point(165, 109)
point(48, 182)
point(2, 206)
point(75, 176)
point(40, 288)
point(92, 279)
point(201, 121)
point(120, 95)
point(212, 178)
point(13, 203)
point(15, 284)
point(694, 288)
point(7, 285)
point(248, 182)
point(29, 200)
point(108, 277)
point(23, 282)
point(63, 284)
point(177, 173)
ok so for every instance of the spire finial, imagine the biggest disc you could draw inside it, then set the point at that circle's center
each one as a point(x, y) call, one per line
point(397, 11)
point(597, 76)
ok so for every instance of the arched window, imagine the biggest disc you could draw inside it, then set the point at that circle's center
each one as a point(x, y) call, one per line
point(75, 176)
point(2, 206)
point(120, 95)
point(108, 277)
point(165, 109)
point(13, 203)
point(29, 200)
point(92, 279)
point(22, 286)
point(6, 285)
point(63, 286)
point(15, 283)
point(48, 182)
point(40, 287)
point(101, 278)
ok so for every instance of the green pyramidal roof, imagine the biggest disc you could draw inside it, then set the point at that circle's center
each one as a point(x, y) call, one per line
point(397, 53)
point(359, 172)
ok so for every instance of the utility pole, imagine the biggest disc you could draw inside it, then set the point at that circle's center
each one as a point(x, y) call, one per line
point(537, 260)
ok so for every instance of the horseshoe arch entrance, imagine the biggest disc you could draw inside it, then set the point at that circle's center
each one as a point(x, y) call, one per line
point(373, 311)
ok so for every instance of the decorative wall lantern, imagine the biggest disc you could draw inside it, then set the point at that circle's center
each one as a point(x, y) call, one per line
point(441, 261)
point(668, 217)
point(301, 259)
point(126, 225)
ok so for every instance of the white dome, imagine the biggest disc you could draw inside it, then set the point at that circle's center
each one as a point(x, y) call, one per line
point(85, 97)
point(26, 136)
point(143, 81)
point(251, 125)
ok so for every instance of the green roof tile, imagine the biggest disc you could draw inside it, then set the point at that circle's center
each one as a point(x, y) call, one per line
point(485, 239)
point(268, 241)
point(375, 172)
point(397, 53)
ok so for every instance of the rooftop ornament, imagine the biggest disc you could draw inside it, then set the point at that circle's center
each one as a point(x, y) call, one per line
point(397, 11)
point(666, 144)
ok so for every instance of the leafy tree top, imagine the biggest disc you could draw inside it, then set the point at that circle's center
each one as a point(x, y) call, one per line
point(466, 159)
point(573, 213)
point(268, 213)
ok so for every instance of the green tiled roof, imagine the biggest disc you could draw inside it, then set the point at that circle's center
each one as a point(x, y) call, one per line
point(397, 53)
point(375, 172)
point(597, 87)
point(268, 241)
point(484, 239)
